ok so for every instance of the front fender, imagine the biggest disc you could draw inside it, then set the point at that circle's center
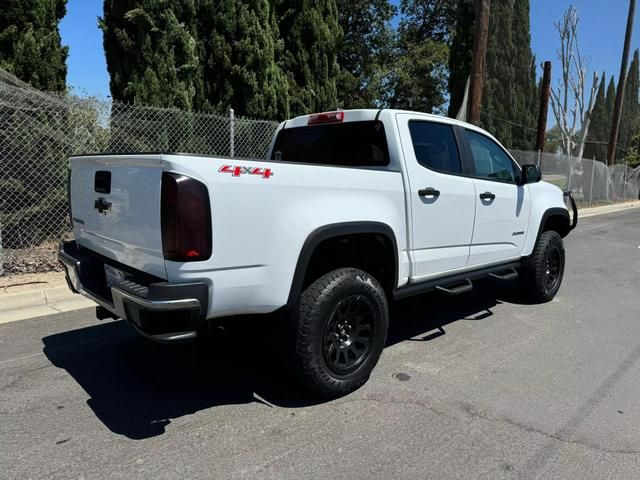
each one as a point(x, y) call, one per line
point(547, 202)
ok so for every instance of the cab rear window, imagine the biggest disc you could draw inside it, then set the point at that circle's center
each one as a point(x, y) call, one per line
point(350, 144)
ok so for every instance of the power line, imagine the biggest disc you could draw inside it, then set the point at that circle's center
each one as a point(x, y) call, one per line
point(550, 136)
point(508, 121)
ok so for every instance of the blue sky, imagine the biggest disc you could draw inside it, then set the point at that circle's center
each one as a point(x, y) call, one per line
point(602, 25)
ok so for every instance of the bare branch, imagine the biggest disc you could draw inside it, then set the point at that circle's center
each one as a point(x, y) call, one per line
point(569, 100)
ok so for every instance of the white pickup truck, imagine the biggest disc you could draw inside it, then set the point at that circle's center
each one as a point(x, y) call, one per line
point(349, 211)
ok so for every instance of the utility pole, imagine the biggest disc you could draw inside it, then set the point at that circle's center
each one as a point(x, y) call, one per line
point(544, 106)
point(476, 85)
point(617, 111)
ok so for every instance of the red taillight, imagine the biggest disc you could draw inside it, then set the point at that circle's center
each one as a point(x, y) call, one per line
point(327, 117)
point(186, 219)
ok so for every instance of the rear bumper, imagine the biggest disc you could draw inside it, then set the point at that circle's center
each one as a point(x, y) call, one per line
point(160, 311)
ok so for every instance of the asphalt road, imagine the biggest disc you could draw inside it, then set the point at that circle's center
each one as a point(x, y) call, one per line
point(502, 390)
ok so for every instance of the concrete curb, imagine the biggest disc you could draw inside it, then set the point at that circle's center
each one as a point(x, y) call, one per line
point(39, 302)
point(618, 207)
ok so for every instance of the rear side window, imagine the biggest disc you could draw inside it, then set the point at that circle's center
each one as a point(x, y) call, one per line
point(435, 146)
point(351, 144)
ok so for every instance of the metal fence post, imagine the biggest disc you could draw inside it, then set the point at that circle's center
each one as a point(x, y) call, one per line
point(593, 172)
point(569, 170)
point(624, 181)
point(232, 121)
point(1, 255)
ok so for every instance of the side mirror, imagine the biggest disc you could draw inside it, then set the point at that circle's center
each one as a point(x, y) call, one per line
point(530, 174)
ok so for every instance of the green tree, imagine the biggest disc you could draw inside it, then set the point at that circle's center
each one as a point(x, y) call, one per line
point(632, 157)
point(240, 47)
point(427, 19)
point(419, 78)
point(510, 100)
point(610, 102)
point(610, 98)
point(365, 51)
point(30, 45)
point(152, 52)
point(205, 55)
point(507, 107)
point(553, 142)
point(311, 34)
point(600, 125)
point(499, 87)
point(601, 119)
point(460, 53)
point(524, 104)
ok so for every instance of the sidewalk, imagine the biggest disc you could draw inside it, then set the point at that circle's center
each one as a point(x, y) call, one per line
point(36, 295)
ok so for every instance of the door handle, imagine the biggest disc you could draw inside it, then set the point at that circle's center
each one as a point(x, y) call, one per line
point(429, 192)
point(102, 205)
point(487, 196)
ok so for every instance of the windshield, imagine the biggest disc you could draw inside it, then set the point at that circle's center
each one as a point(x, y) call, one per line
point(352, 144)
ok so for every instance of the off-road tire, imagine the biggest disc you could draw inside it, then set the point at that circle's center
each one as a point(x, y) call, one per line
point(541, 273)
point(320, 354)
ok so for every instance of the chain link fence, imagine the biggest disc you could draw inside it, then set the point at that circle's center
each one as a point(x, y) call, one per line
point(591, 181)
point(38, 133)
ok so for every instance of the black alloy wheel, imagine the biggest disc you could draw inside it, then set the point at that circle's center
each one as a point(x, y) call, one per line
point(554, 267)
point(348, 334)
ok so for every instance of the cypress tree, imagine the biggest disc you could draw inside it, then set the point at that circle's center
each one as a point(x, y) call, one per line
point(610, 98)
point(524, 103)
point(311, 34)
point(364, 52)
point(610, 102)
point(510, 102)
point(204, 55)
point(500, 89)
point(239, 47)
point(460, 54)
point(535, 92)
point(598, 128)
point(152, 52)
point(602, 117)
point(30, 44)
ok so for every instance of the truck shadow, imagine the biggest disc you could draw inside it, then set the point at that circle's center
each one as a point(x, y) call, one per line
point(136, 387)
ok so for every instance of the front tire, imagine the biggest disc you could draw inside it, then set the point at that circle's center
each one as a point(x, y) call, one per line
point(341, 330)
point(542, 272)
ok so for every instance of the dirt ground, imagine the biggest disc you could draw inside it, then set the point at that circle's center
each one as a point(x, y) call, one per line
point(28, 281)
point(43, 258)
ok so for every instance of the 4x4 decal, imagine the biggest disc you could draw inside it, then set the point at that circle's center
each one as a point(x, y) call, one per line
point(236, 171)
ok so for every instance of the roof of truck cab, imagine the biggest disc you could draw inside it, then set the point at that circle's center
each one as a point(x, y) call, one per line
point(368, 114)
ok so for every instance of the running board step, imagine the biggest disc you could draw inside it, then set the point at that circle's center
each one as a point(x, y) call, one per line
point(459, 290)
point(508, 275)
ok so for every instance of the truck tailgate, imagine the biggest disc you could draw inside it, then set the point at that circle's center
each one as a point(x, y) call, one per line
point(115, 205)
